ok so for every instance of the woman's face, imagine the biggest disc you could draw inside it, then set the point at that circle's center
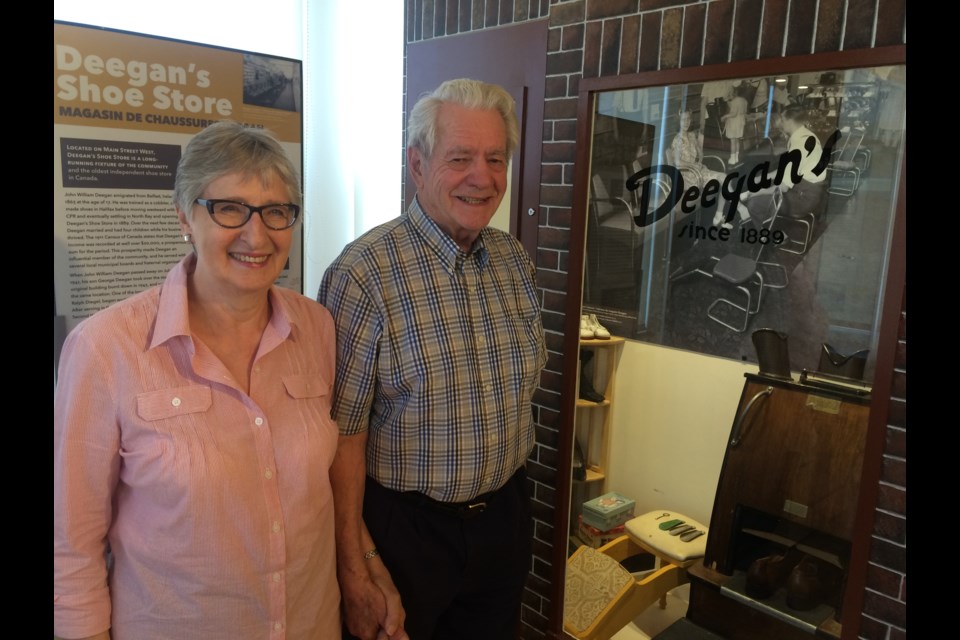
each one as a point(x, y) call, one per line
point(242, 261)
point(685, 119)
point(788, 125)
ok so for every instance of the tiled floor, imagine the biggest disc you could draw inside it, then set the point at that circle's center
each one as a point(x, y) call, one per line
point(654, 620)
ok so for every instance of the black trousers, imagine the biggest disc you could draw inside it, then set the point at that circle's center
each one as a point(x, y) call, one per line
point(460, 578)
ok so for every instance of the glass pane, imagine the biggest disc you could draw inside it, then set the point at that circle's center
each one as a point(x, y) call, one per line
point(719, 208)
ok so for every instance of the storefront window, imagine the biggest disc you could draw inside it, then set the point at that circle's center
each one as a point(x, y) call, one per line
point(723, 207)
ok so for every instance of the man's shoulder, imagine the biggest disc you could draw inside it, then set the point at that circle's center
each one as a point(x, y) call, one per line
point(368, 249)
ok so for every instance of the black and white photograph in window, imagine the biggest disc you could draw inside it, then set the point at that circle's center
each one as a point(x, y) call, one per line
point(720, 208)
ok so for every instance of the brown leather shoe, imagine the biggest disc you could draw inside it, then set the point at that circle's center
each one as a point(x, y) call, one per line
point(804, 589)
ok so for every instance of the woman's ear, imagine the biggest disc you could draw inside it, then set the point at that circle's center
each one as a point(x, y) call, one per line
point(184, 222)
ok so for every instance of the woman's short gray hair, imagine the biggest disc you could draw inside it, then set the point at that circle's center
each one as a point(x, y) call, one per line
point(228, 147)
point(471, 94)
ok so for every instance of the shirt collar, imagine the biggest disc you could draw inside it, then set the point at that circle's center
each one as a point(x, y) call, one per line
point(447, 250)
point(173, 318)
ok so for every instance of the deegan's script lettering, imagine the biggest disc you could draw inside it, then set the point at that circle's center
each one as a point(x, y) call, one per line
point(730, 189)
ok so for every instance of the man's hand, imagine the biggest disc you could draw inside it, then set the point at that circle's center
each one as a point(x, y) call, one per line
point(371, 604)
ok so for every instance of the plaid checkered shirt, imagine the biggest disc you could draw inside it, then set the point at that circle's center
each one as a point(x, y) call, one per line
point(439, 352)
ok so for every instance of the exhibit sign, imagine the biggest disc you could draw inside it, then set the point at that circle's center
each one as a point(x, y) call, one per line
point(125, 106)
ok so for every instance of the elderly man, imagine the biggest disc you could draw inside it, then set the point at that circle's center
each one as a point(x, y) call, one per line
point(439, 350)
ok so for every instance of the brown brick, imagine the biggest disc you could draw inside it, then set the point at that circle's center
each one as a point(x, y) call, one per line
point(478, 13)
point(572, 37)
point(556, 195)
point(746, 29)
point(551, 174)
point(418, 20)
point(897, 634)
point(554, 301)
point(544, 9)
point(858, 31)
point(694, 18)
point(546, 494)
point(521, 10)
point(567, 13)
point(829, 24)
point(558, 151)
point(573, 84)
point(452, 14)
point(899, 387)
point(548, 437)
point(542, 511)
point(555, 87)
point(896, 444)
point(528, 632)
point(560, 216)
point(610, 47)
point(547, 134)
point(670, 35)
point(411, 17)
point(719, 19)
point(428, 25)
point(439, 18)
point(533, 618)
point(531, 599)
point(553, 40)
point(466, 13)
point(607, 8)
point(564, 62)
point(630, 44)
point(548, 418)
point(555, 280)
point(883, 580)
point(892, 499)
point(891, 15)
point(800, 30)
point(548, 258)
point(565, 261)
point(490, 15)
point(773, 30)
point(894, 471)
point(553, 322)
point(565, 130)
point(553, 238)
point(649, 56)
point(890, 527)
point(540, 473)
point(506, 11)
point(591, 49)
point(888, 555)
point(887, 609)
point(549, 457)
point(648, 5)
point(898, 413)
point(871, 629)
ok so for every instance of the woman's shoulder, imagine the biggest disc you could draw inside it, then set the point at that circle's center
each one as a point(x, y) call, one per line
point(130, 316)
point(302, 308)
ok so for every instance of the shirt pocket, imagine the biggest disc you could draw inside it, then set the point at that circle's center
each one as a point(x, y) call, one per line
point(306, 386)
point(317, 432)
point(171, 403)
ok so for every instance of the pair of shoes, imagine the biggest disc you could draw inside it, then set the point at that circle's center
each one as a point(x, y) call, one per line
point(587, 392)
point(591, 329)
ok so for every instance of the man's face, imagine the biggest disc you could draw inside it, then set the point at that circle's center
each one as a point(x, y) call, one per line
point(461, 184)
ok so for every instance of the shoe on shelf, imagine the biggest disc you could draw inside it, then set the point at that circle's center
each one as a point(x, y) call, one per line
point(600, 332)
point(586, 330)
point(587, 392)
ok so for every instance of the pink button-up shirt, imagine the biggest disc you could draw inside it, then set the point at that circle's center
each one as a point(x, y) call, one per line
point(215, 506)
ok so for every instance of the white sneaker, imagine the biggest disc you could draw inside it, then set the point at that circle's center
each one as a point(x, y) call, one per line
point(586, 329)
point(600, 332)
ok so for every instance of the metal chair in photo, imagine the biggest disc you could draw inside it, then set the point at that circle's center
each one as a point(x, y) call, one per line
point(845, 167)
point(746, 272)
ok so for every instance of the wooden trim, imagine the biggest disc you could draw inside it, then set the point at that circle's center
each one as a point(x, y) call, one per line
point(890, 319)
point(893, 303)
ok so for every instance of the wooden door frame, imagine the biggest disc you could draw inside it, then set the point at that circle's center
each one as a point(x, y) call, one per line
point(889, 324)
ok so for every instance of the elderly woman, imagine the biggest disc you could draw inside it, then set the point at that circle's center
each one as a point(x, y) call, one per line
point(192, 429)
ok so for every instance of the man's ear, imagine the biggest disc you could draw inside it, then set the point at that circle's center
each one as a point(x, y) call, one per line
point(416, 165)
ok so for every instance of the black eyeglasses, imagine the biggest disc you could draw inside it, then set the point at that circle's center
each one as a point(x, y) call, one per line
point(231, 214)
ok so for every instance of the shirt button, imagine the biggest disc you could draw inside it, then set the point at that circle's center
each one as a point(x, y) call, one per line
point(480, 339)
point(276, 526)
point(276, 577)
point(175, 402)
point(258, 422)
point(268, 474)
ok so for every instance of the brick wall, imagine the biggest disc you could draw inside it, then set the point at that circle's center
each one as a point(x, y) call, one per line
point(592, 38)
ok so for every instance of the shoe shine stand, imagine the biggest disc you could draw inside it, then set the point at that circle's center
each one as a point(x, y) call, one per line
point(786, 497)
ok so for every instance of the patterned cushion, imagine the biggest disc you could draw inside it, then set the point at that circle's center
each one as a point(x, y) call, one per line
point(593, 582)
